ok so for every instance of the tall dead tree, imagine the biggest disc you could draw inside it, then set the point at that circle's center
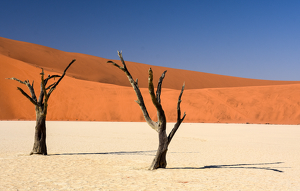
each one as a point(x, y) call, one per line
point(41, 105)
point(160, 126)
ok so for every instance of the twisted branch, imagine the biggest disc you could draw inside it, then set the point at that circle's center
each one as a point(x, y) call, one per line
point(44, 96)
point(138, 93)
point(32, 99)
point(156, 99)
point(179, 119)
point(158, 91)
point(54, 86)
point(27, 96)
point(50, 77)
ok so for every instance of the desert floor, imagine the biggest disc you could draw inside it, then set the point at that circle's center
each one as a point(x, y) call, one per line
point(116, 155)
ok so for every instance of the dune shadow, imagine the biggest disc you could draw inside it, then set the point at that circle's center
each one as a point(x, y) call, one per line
point(245, 166)
point(151, 153)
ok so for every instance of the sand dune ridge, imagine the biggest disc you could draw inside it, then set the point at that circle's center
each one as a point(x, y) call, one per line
point(96, 91)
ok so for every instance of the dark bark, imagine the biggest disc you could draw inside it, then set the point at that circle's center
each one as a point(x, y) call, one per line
point(179, 119)
point(160, 160)
point(138, 93)
point(39, 145)
point(41, 105)
point(160, 126)
point(164, 140)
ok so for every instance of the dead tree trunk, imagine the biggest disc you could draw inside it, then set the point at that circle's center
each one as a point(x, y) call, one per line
point(160, 126)
point(41, 105)
point(39, 145)
point(160, 160)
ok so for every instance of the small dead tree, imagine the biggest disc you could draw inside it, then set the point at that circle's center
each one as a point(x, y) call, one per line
point(159, 126)
point(41, 105)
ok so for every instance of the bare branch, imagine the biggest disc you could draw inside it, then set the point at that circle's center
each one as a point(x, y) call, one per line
point(26, 95)
point(138, 93)
point(16, 80)
point(53, 76)
point(118, 66)
point(32, 92)
point(160, 111)
point(158, 91)
point(54, 86)
point(50, 77)
point(137, 82)
point(178, 104)
point(122, 60)
point(50, 86)
point(44, 92)
point(30, 87)
point(179, 119)
point(124, 68)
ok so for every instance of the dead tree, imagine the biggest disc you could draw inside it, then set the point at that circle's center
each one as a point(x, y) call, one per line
point(41, 105)
point(159, 126)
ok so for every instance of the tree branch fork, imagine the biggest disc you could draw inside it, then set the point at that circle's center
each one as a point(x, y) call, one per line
point(155, 97)
point(44, 95)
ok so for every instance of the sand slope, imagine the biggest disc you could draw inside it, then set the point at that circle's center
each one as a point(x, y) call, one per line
point(93, 68)
point(96, 91)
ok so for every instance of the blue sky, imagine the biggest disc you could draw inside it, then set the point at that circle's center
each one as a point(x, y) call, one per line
point(251, 39)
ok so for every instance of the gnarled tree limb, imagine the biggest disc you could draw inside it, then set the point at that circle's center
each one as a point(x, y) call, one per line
point(138, 93)
point(54, 86)
point(25, 82)
point(158, 90)
point(47, 88)
point(50, 77)
point(179, 119)
point(30, 87)
point(156, 103)
point(27, 96)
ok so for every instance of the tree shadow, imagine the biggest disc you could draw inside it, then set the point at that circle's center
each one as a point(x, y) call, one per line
point(112, 153)
point(245, 166)
point(152, 153)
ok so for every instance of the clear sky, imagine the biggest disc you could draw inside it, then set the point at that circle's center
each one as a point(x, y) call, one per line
point(253, 39)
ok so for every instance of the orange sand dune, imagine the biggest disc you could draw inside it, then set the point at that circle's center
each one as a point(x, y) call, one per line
point(225, 99)
point(96, 69)
point(84, 100)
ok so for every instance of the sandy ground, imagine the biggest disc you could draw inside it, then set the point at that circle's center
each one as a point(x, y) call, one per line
point(116, 155)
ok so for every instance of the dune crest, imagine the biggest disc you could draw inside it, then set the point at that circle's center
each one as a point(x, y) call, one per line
point(96, 91)
point(92, 68)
